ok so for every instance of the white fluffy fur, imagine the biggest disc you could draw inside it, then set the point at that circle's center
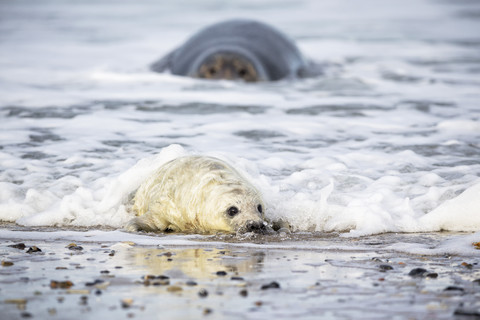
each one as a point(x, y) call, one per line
point(193, 194)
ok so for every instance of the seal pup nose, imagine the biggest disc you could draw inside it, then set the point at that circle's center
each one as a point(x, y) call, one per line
point(255, 226)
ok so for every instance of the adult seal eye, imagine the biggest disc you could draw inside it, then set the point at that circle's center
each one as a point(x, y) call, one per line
point(259, 208)
point(232, 211)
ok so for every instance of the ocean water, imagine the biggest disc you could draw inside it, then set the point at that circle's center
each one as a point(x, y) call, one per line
point(386, 140)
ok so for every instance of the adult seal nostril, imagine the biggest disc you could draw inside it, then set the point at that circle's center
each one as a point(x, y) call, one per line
point(238, 50)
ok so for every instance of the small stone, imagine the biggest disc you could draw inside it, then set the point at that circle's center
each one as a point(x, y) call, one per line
point(432, 275)
point(271, 285)
point(174, 289)
point(164, 282)
point(73, 246)
point(236, 278)
point(20, 246)
point(221, 273)
point(207, 311)
point(105, 272)
point(162, 277)
point(126, 303)
point(112, 253)
point(7, 263)
point(417, 272)
point(243, 293)
point(98, 292)
point(385, 267)
point(61, 268)
point(203, 293)
point(26, 314)
point(453, 288)
point(94, 283)
point(33, 249)
point(61, 284)
point(191, 283)
point(258, 303)
point(467, 265)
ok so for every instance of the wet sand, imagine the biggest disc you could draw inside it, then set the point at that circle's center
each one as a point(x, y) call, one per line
point(303, 276)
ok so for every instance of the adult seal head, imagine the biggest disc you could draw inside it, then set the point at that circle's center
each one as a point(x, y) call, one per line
point(237, 50)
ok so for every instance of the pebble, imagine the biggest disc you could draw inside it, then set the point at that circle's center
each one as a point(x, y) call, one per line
point(61, 284)
point(221, 273)
point(94, 283)
point(34, 249)
point(203, 293)
point(73, 246)
point(191, 283)
point(243, 293)
point(385, 267)
point(20, 246)
point(7, 263)
point(271, 285)
point(237, 278)
point(126, 303)
point(453, 288)
point(417, 272)
point(207, 311)
point(174, 289)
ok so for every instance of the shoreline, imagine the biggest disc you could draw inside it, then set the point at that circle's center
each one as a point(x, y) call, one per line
point(94, 278)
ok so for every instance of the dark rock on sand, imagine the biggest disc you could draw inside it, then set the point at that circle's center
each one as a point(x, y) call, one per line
point(33, 249)
point(61, 284)
point(454, 288)
point(417, 272)
point(385, 267)
point(271, 285)
point(203, 293)
point(221, 273)
point(20, 246)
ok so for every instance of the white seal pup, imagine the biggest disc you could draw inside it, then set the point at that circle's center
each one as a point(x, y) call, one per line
point(197, 194)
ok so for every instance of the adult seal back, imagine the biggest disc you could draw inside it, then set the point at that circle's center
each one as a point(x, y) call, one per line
point(237, 50)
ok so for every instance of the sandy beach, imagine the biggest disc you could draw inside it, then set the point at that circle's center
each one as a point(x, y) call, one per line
point(305, 276)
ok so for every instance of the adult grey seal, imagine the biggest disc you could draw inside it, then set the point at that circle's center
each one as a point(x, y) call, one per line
point(237, 50)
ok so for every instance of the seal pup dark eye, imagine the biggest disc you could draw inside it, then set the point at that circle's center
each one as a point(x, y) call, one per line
point(259, 208)
point(232, 211)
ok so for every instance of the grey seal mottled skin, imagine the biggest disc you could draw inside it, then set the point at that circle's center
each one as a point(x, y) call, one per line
point(237, 50)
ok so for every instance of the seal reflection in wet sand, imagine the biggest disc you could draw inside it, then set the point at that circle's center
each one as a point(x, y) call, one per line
point(199, 195)
point(238, 50)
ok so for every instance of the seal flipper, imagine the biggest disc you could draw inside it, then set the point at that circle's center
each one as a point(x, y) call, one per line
point(146, 223)
point(163, 63)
